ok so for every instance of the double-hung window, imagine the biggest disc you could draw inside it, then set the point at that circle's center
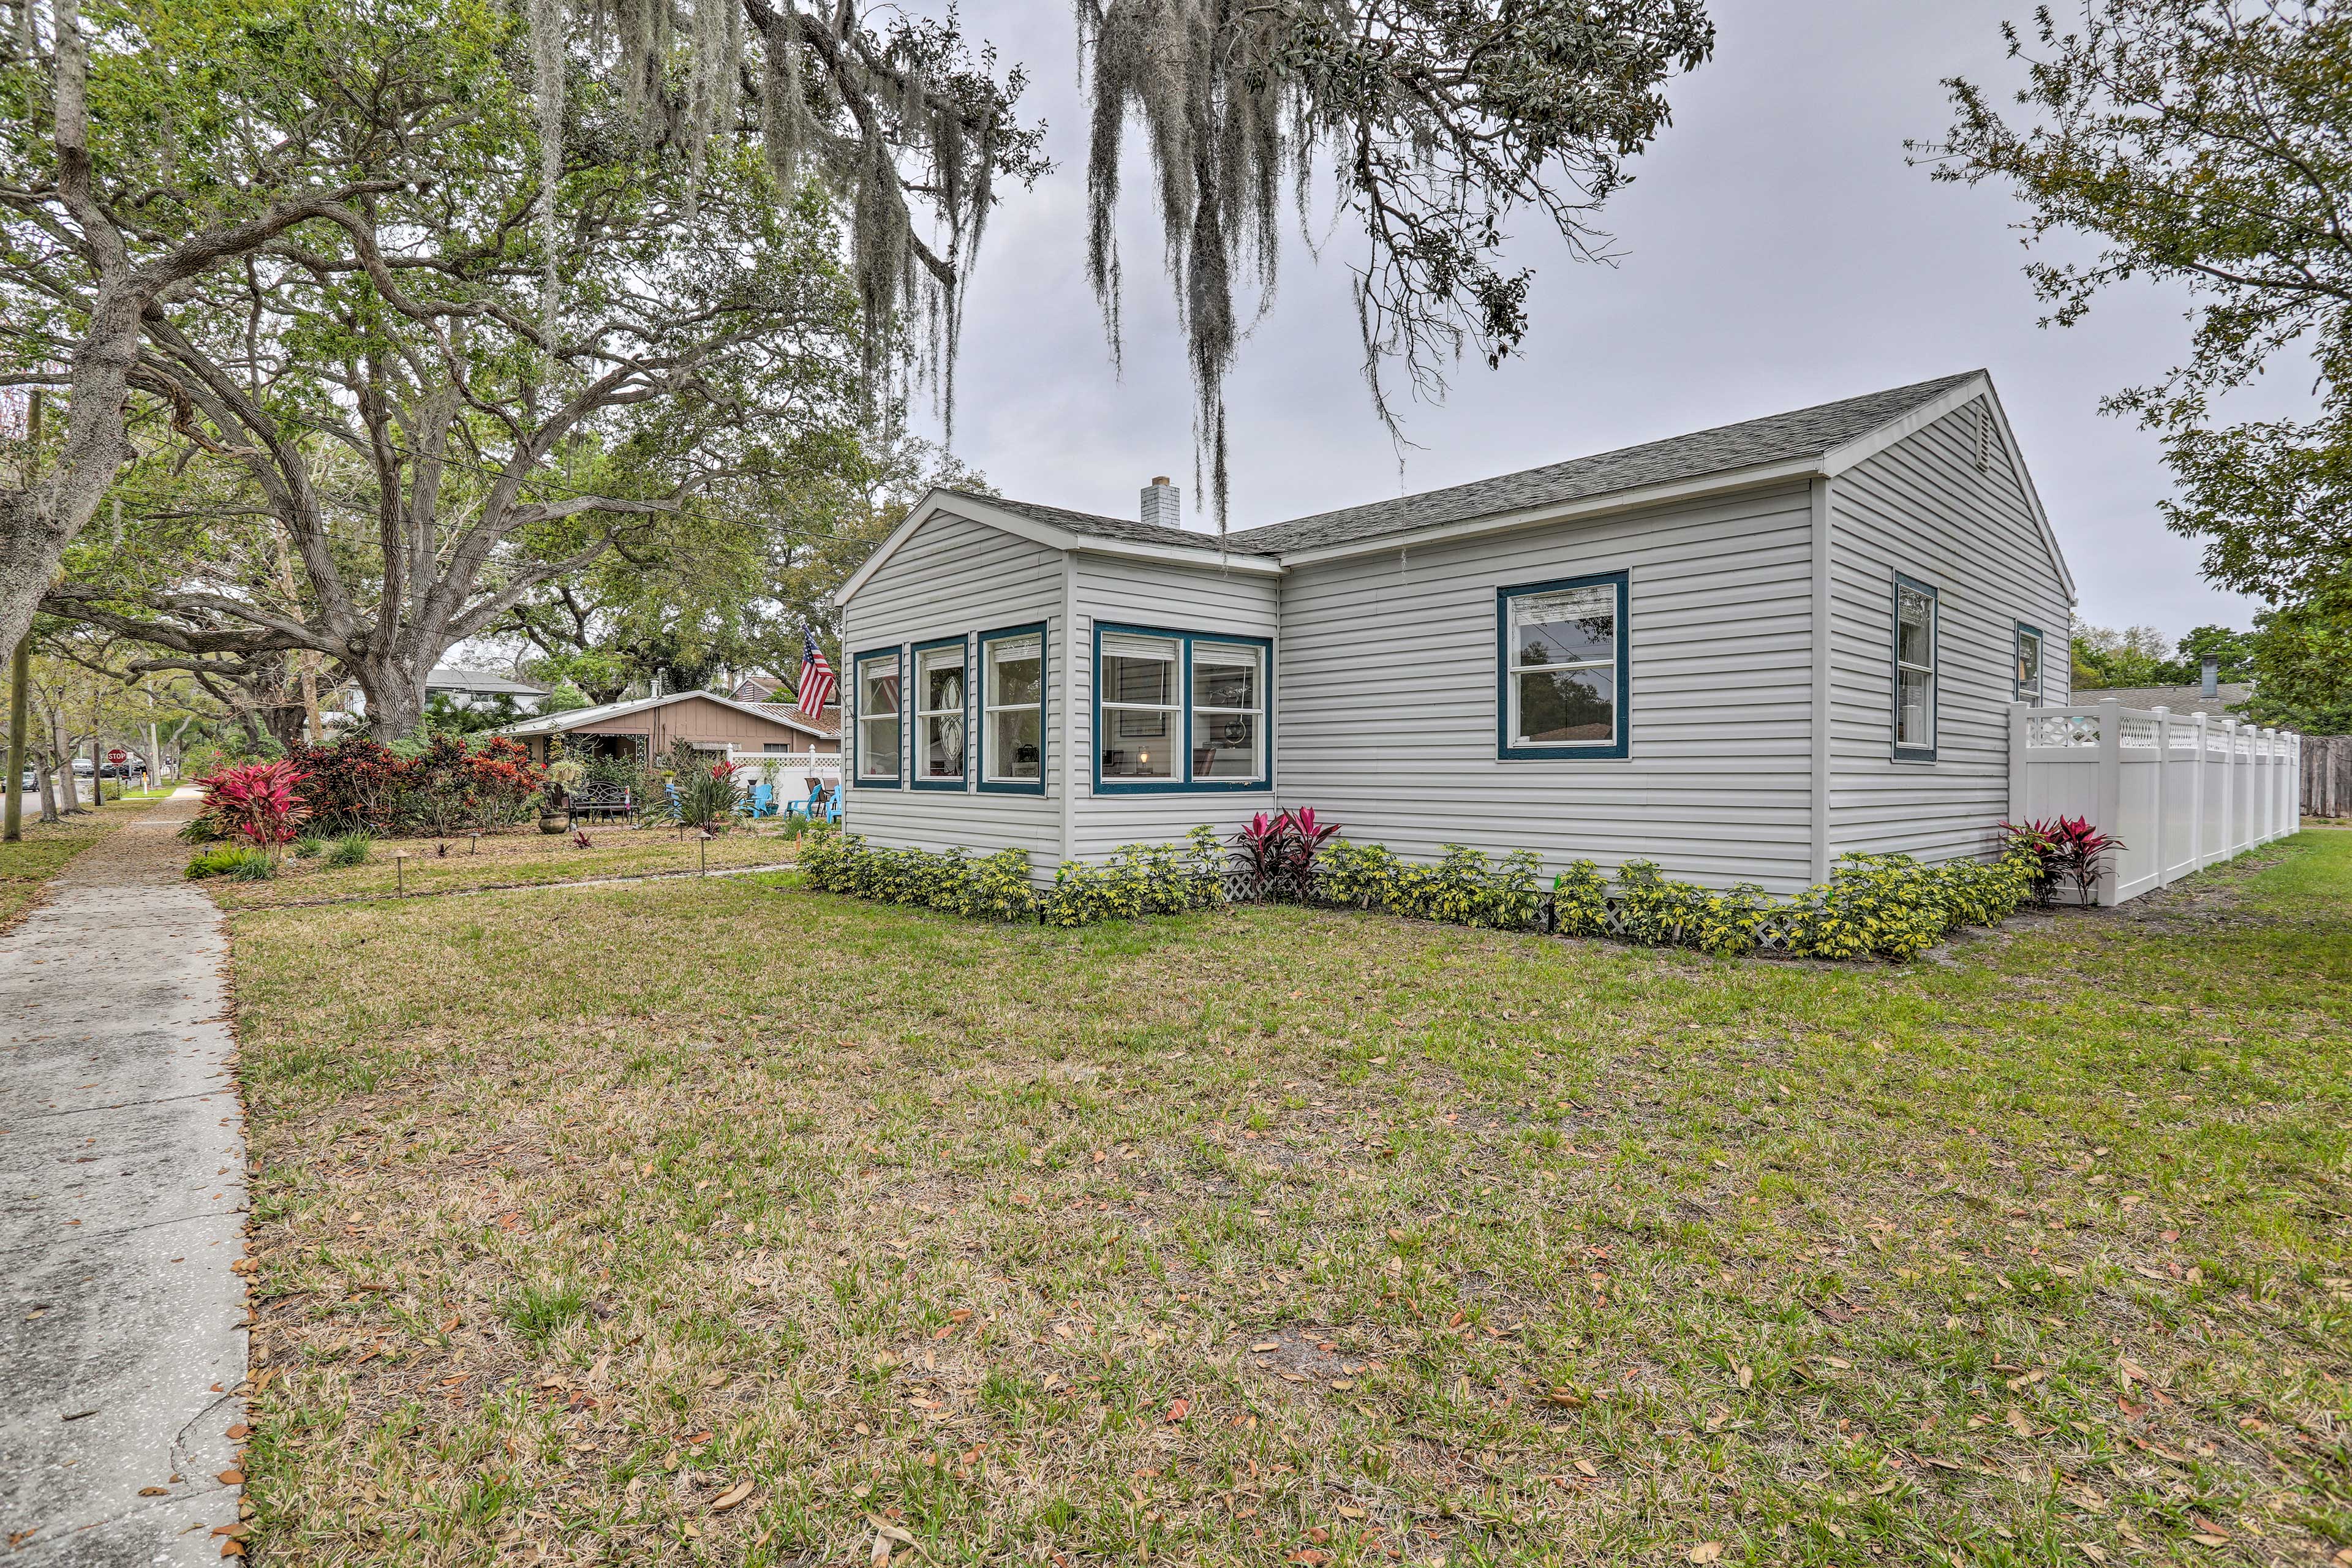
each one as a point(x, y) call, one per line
point(1227, 710)
point(1142, 710)
point(1565, 685)
point(941, 716)
point(1180, 711)
point(1915, 672)
point(2029, 664)
point(878, 717)
point(1012, 711)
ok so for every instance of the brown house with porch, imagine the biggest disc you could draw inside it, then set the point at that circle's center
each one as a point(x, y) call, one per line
point(650, 726)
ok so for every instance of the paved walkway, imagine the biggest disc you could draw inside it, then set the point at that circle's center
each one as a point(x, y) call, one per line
point(121, 1208)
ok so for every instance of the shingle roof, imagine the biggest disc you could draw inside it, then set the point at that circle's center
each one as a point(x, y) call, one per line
point(1778, 437)
point(456, 677)
point(2179, 699)
point(1092, 526)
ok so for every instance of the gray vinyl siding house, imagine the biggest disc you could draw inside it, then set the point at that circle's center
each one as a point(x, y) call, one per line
point(1685, 651)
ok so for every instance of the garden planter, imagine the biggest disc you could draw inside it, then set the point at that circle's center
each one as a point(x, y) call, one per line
point(551, 822)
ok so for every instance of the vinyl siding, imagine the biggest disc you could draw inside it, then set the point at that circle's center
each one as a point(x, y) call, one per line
point(1178, 598)
point(954, 578)
point(1923, 509)
point(1388, 692)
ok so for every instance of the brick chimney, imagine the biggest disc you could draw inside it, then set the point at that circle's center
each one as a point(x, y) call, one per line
point(1163, 503)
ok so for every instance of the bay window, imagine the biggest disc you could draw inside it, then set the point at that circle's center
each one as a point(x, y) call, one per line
point(1565, 683)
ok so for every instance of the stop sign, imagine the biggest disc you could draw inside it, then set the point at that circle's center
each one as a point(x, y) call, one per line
point(118, 756)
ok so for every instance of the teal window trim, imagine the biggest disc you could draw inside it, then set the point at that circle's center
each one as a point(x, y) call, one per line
point(857, 662)
point(1045, 689)
point(2040, 664)
point(1185, 784)
point(911, 711)
point(1933, 667)
point(1614, 750)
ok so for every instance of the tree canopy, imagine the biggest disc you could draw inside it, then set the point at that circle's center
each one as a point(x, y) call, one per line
point(2203, 142)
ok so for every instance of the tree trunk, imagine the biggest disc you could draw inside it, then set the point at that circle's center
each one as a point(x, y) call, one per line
point(395, 696)
point(67, 788)
point(48, 782)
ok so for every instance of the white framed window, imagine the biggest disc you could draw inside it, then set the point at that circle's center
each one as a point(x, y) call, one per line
point(878, 717)
point(942, 714)
point(1013, 709)
point(1564, 679)
point(1915, 672)
point(1228, 710)
point(1142, 707)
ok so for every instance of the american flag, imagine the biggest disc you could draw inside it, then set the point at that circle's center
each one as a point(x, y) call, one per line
point(816, 678)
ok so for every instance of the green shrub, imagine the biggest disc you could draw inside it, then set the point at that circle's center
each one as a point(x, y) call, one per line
point(350, 849)
point(996, 886)
point(1579, 900)
point(240, 863)
point(310, 846)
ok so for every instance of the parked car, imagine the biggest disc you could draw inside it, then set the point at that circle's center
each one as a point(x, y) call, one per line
point(82, 766)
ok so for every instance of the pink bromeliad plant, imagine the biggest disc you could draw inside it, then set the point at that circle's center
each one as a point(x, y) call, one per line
point(256, 803)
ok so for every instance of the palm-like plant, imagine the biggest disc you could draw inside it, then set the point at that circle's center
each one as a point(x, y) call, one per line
point(256, 803)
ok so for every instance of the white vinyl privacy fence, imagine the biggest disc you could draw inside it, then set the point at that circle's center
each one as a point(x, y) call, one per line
point(2182, 790)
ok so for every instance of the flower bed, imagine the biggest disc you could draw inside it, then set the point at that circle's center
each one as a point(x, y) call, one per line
point(1873, 906)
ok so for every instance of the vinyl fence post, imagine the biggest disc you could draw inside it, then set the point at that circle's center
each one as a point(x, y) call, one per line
point(2231, 784)
point(2111, 789)
point(2197, 802)
point(2163, 792)
point(2019, 729)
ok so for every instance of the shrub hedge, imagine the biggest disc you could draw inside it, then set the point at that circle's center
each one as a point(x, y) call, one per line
point(1883, 906)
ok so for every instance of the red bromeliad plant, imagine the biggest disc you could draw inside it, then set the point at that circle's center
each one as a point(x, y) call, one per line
point(258, 803)
point(2062, 848)
point(1278, 852)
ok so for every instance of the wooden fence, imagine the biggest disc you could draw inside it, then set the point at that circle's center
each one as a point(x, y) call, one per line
point(2182, 790)
point(2327, 775)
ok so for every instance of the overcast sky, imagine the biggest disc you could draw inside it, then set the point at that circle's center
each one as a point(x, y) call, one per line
point(1776, 252)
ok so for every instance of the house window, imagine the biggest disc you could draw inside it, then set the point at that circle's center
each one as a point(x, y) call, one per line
point(2029, 664)
point(1228, 710)
point(1565, 685)
point(877, 717)
point(1141, 711)
point(1915, 672)
point(1180, 711)
point(940, 714)
point(1012, 703)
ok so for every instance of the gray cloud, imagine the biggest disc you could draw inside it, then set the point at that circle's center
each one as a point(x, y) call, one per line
point(1776, 252)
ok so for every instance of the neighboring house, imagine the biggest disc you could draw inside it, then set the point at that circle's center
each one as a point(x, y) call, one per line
point(1739, 653)
point(651, 725)
point(768, 688)
point(480, 688)
point(2222, 703)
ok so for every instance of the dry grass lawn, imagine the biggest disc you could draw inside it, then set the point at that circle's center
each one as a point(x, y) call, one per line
point(516, 858)
point(716, 1222)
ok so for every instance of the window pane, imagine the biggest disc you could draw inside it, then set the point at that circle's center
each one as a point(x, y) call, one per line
point(1564, 707)
point(1015, 671)
point(2029, 666)
point(1133, 677)
point(943, 746)
point(1012, 749)
point(1137, 744)
point(878, 689)
point(942, 675)
point(1224, 677)
point(1914, 619)
point(1224, 745)
point(877, 747)
point(1915, 708)
point(1565, 627)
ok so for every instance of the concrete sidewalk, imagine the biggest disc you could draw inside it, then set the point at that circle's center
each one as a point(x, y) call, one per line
point(121, 1208)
